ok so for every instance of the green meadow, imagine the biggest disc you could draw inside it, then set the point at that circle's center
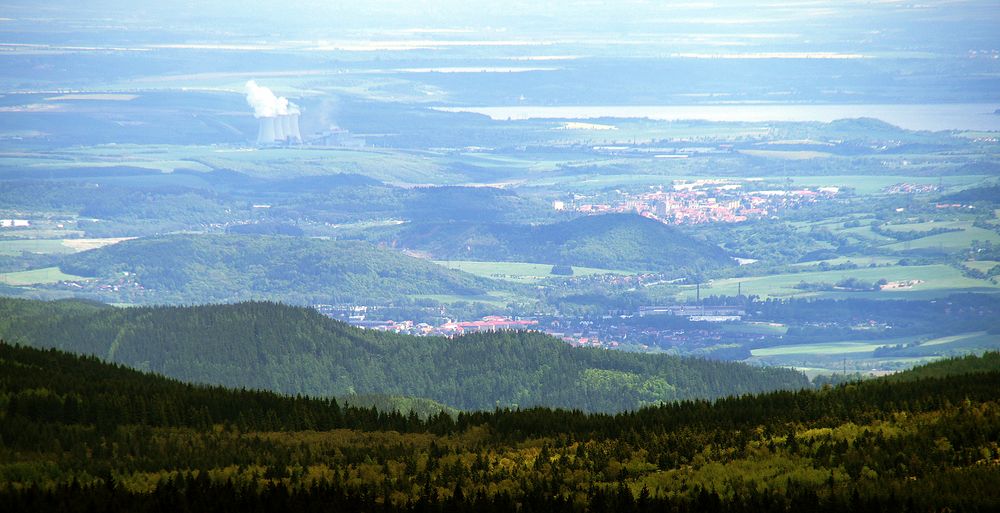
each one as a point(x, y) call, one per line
point(40, 246)
point(37, 277)
point(859, 355)
point(949, 241)
point(754, 328)
point(828, 348)
point(857, 260)
point(14, 247)
point(981, 265)
point(931, 281)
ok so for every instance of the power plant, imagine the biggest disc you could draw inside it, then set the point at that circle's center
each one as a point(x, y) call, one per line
point(279, 129)
point(278, 118)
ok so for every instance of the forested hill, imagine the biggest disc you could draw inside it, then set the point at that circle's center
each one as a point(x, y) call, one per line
point(212, 268)
point(614, 241)
point(296, 350)
point(989, 194)
point(79, 434)
point(988, 362)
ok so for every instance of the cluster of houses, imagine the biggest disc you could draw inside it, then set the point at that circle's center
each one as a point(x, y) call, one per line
point(703, 201)
point(608, 331)
point(696, 312)
point(487, 324)
point(910, 188)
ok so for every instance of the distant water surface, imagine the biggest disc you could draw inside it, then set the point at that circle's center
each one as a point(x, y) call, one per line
point(935, 116)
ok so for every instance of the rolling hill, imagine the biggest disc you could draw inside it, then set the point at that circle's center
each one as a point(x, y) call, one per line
point(298, 351)
point(214, 268)
point(614, 241)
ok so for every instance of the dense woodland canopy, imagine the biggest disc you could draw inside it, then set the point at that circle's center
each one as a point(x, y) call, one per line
point(79, 434)
point(297, 350)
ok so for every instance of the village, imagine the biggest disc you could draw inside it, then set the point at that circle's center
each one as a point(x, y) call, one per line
point(684, 328)
point(700, 201)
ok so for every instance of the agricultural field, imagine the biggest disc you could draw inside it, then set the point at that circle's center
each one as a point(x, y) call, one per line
point(788, 154)
point(866, 355)
point(981, 265)
point(874, 184)
point(925, 281)
point(929, 225)
point(950, 241)
point(397, 166)
point(161, 158)
point(54, 246)
point(520, 272)
point(863, 233)
point(40, 246)
point(37, 277)
point(863, 261)
point(829, 348)
point(754, 328)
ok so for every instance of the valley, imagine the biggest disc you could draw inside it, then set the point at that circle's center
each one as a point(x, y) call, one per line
point(444, 256)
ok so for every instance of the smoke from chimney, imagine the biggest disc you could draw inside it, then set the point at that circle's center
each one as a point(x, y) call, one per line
point(279, 118)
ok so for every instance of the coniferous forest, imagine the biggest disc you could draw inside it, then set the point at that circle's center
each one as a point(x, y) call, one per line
point(296, 350)
point(78, 434)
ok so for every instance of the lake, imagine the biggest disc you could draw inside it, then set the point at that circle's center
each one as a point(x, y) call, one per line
point(942, 116)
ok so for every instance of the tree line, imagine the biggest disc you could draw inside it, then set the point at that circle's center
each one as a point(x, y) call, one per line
point(90, 435)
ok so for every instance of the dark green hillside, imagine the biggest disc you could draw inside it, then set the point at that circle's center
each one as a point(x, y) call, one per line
point(296, 350)
point(617, 241)
point(475, 204)
point(87, 390)
point(78, 434)
point(206, 268)
point(989, 194)
point(988, 362)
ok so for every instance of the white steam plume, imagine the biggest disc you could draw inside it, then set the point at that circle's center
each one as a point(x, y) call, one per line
point(265, 104)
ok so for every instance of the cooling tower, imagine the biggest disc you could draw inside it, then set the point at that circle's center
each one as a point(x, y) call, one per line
point(279, 130)
point(293, 131)
point(286, 127)
point(265, 134)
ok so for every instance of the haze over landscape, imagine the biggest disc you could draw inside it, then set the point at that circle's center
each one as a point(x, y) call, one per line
point(516, 256)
